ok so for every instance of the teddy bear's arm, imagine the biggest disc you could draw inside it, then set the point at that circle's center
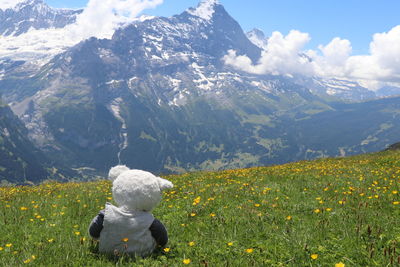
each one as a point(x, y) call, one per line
point(97, 225)
point(159, 233)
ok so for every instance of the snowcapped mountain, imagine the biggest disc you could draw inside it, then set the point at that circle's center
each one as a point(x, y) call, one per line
point(205, 9)
point(333, 87)
point(157, 96)
point(342, 89)
point(257, 37)
point(33, 14)
point(336, 88)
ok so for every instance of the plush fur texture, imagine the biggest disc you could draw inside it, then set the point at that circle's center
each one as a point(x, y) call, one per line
point(136, 190)
point(116, 171)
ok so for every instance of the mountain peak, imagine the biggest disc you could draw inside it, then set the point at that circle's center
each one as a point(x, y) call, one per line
point(7, 4)
point(205, 9)
point(18, 4)
point(257, 37)
point(257, 32)
point(23, 15)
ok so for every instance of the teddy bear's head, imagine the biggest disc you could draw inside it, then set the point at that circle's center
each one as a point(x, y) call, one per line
point(136, 190)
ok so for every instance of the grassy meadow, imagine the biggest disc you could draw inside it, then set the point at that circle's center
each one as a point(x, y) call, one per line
point(328, 212)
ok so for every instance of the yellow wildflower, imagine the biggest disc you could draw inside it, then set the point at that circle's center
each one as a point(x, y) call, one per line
point(196, 201)
point(230, 244)
point(314, 256)
point(167, 250)
point(125, 239)
point(249, 250)
point(340, 264)
point(186, 261)
point(191, 244)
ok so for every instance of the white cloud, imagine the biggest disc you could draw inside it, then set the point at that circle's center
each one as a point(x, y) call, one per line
point(285, 55)
point(333, 58)
point(4, 4)
point(383, 63)
point(337, 51)
point(99, 19)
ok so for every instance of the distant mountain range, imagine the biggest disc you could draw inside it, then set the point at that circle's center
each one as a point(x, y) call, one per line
point(34, 15)
point(388, 91)
point(157, 96)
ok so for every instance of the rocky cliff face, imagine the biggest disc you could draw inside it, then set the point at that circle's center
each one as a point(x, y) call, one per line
point(157, 96)
point(33, 14)
point(20, 160)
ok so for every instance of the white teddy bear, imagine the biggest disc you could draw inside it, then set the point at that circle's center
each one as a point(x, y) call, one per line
point(130, 227)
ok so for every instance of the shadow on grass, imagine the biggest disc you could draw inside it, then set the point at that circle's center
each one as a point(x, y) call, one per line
point(125, 257)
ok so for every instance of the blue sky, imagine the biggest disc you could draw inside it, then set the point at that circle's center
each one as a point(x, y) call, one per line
point(355, 20)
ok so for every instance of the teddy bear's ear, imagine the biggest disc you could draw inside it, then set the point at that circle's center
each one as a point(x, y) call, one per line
point(164, 184)
point(116, 171)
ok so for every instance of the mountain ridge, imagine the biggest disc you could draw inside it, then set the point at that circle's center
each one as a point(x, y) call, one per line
point(34, 14)
point(157, 96)
point(20, 160)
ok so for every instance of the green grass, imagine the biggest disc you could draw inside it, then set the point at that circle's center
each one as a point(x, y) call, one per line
point(343, 210)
